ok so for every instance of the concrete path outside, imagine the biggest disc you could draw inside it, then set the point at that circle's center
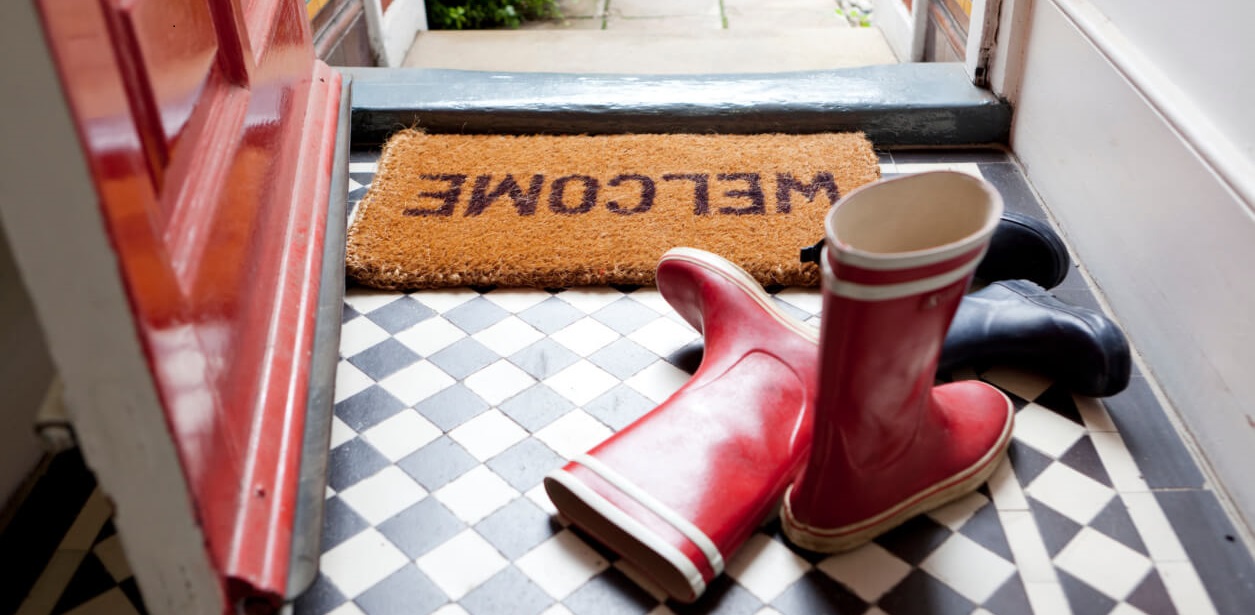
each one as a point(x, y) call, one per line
point(664, 37)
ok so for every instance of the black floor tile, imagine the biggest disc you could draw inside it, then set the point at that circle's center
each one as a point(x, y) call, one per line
point(1115, 522)
point(452, 407)
point(421, 527)
point(816, 592)
point(406, 592)
point(1083, 458)
point(1219, 554)
point(351, 462)
point(1151, 438)
point(1151, 596)
point(1082, 597)
point(321, 598)
point(536, 407)
point(400, 315)
point(921, 594)
point(32, 535)
point(525, 464)
point(517, 528)
point(509, 591)
point(610, 593)
point(367, 408)
point(438, 463)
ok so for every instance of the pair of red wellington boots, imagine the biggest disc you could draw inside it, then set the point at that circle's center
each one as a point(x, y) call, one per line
point(851, 434)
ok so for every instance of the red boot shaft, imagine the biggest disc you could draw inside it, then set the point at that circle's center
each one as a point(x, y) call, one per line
point(683, 487)
point(887, 443)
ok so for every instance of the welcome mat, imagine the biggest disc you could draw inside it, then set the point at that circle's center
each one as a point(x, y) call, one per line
point(557, 211)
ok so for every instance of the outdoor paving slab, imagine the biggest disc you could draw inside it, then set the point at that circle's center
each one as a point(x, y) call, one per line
point(671, 8)
point(682, 23)
point(620, 50)
point(773, 19)
point(581, 8)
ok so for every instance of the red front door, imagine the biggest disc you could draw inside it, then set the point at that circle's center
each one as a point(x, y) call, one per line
point(208, 126)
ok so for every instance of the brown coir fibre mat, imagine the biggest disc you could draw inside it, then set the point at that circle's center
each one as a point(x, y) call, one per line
point(556, 211)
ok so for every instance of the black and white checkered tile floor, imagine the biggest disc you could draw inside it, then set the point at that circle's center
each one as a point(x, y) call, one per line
point(451, 405)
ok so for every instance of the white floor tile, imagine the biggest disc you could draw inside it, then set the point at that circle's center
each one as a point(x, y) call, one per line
point(1161, 540)
point(430, 336)
point(573, 434)
point(444, 299)
point(589, 299)
point(348, 608)
point(808, 300)
point(766, 567)
point(488, 434)
point(402, 434)
point(970, 168)
point(1005, 488)
point(581, 382)
point(499, 382)
point(515, 300)
point(540, 498)
point(359, 334)
point(585, 336)
point(1185, 588)
point(109, 552)
point(658, 381)
point(561, 564)
point(1094, 414)
point(1103, 563)
point(383, 495)
point(340, 432)
point(1077, 496)
point(664, 336)
point(1047, 597)
point(508, 336)
point(417, 382)
point(1046, 431)
point(366, 300)
point(112, 602)
point(1026, 544)
point(869, 571)
point(652, 299)
point(1115, 456)
point(461, 564)
point(1025, 385)
point(968, 568)
point(360, 562)
point(350, 381)
point(956, 513)
point(476, 494)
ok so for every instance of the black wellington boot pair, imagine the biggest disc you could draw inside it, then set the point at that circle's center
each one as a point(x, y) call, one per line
point(1016, 322)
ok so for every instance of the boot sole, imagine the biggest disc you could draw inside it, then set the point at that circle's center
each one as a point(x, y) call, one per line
point(854, 535)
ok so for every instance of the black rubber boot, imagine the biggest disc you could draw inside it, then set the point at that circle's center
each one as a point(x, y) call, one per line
point(1022, 248)
point(1018, 324)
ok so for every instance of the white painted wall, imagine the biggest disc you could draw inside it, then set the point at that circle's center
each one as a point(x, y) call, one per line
point(1150, 184)
point(25, 373)
point(1204, 46)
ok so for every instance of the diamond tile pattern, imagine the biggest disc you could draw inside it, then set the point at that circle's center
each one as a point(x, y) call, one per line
point(451, 405)
point(475, 395)
point(499, 391)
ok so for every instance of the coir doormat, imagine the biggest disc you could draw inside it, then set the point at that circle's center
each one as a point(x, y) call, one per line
point(557, 211)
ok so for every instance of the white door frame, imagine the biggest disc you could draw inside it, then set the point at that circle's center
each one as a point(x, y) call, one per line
point(393, 31)
point(51, 214)
point(903, 29)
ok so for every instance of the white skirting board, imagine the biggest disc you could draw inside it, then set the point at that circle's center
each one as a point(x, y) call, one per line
point(1153, 200)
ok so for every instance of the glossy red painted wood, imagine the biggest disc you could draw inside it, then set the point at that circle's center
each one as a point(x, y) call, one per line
point(209, 128)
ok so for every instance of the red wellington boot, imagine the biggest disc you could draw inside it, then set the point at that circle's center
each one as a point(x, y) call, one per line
point(678, 491)
point(888, 444)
